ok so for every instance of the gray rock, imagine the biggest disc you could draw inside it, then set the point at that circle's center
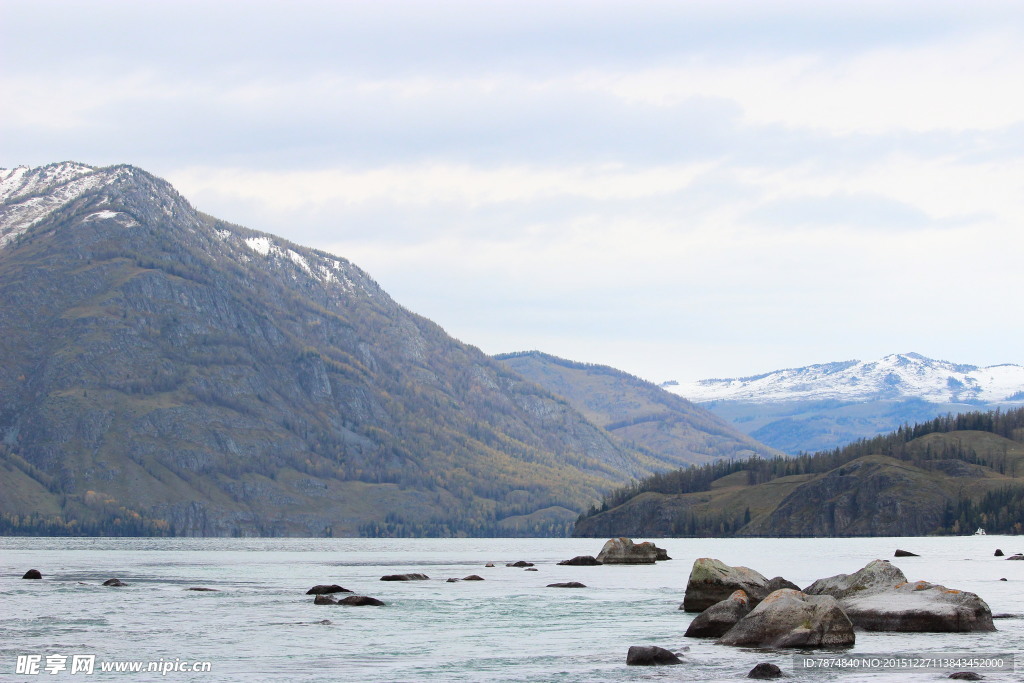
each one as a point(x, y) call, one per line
point(1018, 556)
point(789, 618)
point(531, 569)
point(32, 574)
point(203, 590)
point(520, 563)
point(778, 583)
point(567, 584)
point(360, 601)
point(966, 676)
point(324, 589)
point(405, 577)
point(876, 574)
point(324, 600)
point(114, 582)
point(712, 581)
point(451, 580)
point(623, 551)
point(765, 670)
point(581, 561)
point(650, 655)
point(716, 620)
point(473, 577)
point(918, 607)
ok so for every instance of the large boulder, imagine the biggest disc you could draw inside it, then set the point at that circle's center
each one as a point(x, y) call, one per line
point(716, 620)
point(879, 598)
point(624, 551)
point(918, 606)
point(789, 618)
point(876, 575)
point(713, 581)
point(650, 655)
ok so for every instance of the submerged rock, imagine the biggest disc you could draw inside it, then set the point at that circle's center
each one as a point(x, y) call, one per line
point(531, 569)
point(966, 676)
point(520, 563)
point(765, 670)
point(473, 577)
point(650, 655)
point(1018, 556)
point(999, 552)
point(905, 553)
point(622, 550)
point(582, 561)
point(204, 590)
point(451, 580)
point(716, 620)
point(360, 601)
point(567, 584)
point(790, 618)
point(324, 600)
point(712, 581)
point(114, 582)
point(405, 577)
point(324, 589)
point(32, 574)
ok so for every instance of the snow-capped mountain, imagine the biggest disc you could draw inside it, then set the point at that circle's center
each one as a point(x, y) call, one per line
point(898, 376)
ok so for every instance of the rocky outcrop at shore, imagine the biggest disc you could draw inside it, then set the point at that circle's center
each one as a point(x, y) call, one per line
point(789, 618)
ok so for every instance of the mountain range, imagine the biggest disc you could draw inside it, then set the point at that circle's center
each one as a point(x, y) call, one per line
point(825, 406)
point(167, 372)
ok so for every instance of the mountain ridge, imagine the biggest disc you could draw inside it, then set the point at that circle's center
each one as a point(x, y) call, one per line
point(168, 372)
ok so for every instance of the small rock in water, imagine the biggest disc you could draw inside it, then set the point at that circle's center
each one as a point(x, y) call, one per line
point(999, 552)
point(451, 580)
point(531, 569)
point(905, 553)
point(473, 577)
point(520, 563)
point(32, 574)
point(324, 589)
point(1003, 579)
point(567, 584)
point(1018, 556)
point(324, 600)
point(582, 561)
point(360, 601)
point(765, 670)
point(114, 582)
point(204, 590)
point(966, 676)
point(650, 655)
point(325, 622)
point(489, 564)
point(405, 577)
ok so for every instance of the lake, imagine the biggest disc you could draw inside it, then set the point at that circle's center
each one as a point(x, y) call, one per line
point(259, 624)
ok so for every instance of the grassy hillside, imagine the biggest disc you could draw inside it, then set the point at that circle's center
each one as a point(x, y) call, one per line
point(947, 476)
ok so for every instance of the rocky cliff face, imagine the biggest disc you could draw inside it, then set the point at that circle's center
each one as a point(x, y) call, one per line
point(167, 370)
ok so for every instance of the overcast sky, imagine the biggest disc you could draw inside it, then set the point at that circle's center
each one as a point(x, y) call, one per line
point(678, 189)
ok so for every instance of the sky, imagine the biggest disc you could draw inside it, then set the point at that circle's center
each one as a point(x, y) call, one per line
point(681, 190)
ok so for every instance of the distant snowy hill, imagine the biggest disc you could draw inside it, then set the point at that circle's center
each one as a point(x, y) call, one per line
point(897, 376)
point(820, 407)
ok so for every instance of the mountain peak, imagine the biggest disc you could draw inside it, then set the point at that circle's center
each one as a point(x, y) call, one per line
point(895, 376)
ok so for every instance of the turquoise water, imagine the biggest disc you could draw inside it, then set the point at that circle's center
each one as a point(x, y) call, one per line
point(259, 625)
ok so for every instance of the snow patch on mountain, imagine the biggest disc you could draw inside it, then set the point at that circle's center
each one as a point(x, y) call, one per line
point(894, 377)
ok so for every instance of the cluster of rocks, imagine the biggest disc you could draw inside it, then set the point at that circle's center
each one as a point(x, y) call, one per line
point(739, 606)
